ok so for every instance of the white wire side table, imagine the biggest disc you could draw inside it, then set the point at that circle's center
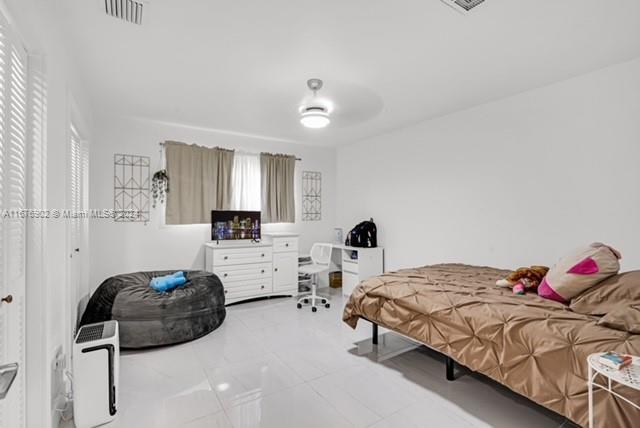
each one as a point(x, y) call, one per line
point(628, 376)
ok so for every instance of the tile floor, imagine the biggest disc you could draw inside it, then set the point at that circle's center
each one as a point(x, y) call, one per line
point(272, 365)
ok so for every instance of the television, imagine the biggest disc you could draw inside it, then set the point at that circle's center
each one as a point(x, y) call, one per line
point(230, 225)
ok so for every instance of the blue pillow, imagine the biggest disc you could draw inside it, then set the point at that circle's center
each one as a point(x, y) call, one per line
point(168, 282)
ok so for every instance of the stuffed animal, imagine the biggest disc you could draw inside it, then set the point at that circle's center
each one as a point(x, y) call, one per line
point(524, 279)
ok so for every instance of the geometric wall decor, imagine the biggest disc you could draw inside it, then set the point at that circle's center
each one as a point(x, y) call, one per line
point(311, 196)
point(131, 188)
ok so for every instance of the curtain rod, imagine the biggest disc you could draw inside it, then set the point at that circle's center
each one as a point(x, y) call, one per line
point(161, 143)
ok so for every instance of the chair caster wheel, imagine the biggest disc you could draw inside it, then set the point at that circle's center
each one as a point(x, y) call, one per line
point(327, 305)
point(314, 309)
point(299, 305)
point(306, 301)
point(324, 301)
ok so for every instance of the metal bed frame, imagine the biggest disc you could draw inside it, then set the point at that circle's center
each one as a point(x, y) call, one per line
point(450, 362)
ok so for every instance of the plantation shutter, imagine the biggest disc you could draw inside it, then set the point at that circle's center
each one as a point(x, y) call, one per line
point(35, 395)
point(75, 183)
point(13, 197)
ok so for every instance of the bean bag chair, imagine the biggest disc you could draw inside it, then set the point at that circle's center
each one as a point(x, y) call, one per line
point(149, 318)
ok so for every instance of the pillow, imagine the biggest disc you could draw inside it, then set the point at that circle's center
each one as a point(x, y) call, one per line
point(168, 282)
point(625, 318)
point(617, 291)
point(578, 272)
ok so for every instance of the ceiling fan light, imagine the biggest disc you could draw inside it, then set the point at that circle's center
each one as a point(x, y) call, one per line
point(315, 117)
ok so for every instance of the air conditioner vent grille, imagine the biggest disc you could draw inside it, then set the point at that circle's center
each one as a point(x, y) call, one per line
point(90, 333)
point(468, 4)
point(127, 10)
point(463, 6)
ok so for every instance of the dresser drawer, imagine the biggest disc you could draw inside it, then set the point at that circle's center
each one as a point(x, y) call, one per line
point(282, 245)
point(236, 256)
point(350, 266)
point(244, 289)
point(349, 282)
point(244, 272)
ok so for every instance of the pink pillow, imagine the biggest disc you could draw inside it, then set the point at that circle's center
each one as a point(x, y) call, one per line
point(579, 271)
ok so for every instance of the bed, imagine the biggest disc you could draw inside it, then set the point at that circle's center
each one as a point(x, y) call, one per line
point(535, 347)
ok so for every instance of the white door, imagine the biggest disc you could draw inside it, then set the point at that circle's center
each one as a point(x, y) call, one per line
point(13, 198)
point(285, 271)
point(77, 222)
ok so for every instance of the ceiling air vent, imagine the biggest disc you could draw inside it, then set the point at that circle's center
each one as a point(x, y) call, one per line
point(463, 6)
point(127, 10)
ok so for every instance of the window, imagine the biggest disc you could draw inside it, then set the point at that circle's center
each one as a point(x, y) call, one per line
point(264, 182)
point(245, 182)
point(212, 178)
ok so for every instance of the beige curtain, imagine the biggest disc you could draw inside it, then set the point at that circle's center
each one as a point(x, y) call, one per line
point(277, 177)
point(199, 181)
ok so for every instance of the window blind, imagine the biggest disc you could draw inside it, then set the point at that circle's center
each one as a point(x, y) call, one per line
point(75, 182)
point(15, 158)
point(13, 196)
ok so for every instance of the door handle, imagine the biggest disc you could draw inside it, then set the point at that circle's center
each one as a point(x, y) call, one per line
point(8, 374)
point(7, 299)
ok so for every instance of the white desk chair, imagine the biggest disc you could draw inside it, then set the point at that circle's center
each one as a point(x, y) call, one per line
point(321, 258)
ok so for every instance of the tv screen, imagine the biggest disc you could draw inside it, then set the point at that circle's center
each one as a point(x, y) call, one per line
point(227, 225)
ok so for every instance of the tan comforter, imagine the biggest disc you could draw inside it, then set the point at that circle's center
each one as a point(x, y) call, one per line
point(536, 347)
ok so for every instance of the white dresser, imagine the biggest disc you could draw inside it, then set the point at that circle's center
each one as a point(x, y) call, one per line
point(259, 269)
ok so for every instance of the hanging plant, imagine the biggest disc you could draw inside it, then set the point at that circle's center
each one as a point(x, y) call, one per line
point(159, 186)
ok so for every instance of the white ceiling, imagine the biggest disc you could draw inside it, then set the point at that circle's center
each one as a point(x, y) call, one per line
point(242, 65)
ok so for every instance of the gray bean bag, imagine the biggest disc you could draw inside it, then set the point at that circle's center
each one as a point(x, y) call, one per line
point(148, 318)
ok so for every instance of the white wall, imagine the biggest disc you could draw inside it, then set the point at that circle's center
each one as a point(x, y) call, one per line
point(48, 311)
point(126, 247)
point(516, 182)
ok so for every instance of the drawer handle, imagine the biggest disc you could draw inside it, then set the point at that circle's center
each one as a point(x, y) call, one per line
point(286, 245)
point(262, 271)
point(262, 254)
point(262, 287)
point(226, 291)
point(226, 257)
point(276, 269)
point(225, 275)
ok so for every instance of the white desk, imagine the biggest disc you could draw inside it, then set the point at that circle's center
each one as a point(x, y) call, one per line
point(368, 262)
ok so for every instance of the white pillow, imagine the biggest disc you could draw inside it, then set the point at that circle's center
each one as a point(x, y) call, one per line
point(579, 271)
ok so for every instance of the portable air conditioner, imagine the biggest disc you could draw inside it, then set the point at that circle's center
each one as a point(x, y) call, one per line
point(96, 362)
